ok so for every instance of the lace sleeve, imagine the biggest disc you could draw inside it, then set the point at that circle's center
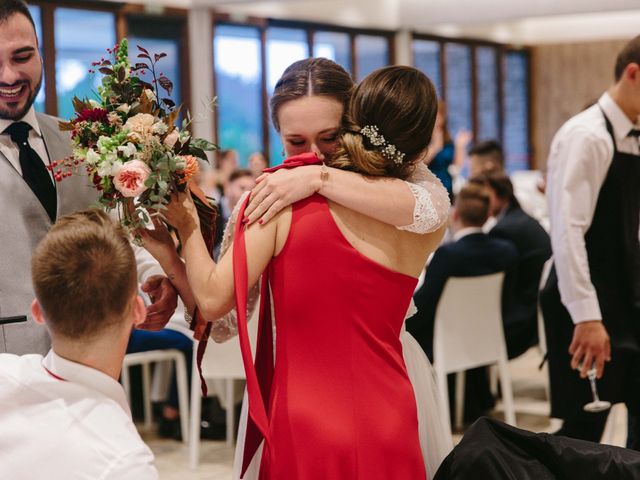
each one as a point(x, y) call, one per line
point(226, 327)
point(432, 201)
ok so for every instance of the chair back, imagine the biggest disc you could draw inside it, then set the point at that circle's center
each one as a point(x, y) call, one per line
point(224, 360)
point(468, 329)
point(542, 337)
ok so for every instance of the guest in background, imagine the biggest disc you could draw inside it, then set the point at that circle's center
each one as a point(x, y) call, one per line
point(444, 156)
point(591, 303)
point(215, 179)
point(257, 163)
point(485, 157)
point(240, 181)
point(534, 249)
point(66, 415)
point(472, 253)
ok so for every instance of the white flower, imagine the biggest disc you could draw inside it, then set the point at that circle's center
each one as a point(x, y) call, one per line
point(171, 139)
point(128, 150)
point(160, 128)
point(94, 104)
point(124, 108)
point(104, 169)
point(115, 168)
point(92, 157)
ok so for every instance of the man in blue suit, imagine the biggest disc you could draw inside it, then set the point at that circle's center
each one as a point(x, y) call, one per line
point(472, 253)
point(534, 249)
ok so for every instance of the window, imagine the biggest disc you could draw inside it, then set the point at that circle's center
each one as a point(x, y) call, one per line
point(238, 67)
point(335, 46)
point(458, 87)
point(372, 52)
point(487, 106)
point(516, 111)
point(426, 58)
point(486, 89)
point(36, 14)
point(81, 37)
point(159, 36)
point(284, 46)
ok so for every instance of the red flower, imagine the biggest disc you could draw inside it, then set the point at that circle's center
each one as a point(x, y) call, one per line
point(93, 115)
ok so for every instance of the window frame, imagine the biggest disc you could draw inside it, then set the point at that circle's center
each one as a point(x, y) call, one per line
point(501, 51)
point(121, 12)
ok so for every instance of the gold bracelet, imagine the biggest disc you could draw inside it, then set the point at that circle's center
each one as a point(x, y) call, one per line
point(324, 173)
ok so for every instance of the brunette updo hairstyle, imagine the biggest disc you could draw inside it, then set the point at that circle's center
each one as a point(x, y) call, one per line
point(309, 77)
point(401, 101)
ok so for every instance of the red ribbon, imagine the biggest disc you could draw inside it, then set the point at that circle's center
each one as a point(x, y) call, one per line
point(301, 160)
point(201, 328)
point(260, 375)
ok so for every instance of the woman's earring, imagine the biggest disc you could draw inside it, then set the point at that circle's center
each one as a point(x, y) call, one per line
point(282, 152)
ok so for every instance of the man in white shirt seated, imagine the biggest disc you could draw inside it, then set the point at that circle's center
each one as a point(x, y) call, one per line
point(65, 416)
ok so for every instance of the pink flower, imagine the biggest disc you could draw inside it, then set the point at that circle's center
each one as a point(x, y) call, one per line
point(129, 180)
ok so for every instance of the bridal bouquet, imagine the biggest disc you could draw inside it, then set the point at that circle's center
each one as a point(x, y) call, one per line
point(128, 142)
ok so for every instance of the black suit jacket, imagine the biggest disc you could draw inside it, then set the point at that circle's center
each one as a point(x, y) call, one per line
point(473, 255)
point(534, 249)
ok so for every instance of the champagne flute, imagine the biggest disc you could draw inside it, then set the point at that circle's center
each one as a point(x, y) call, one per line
point(596, 405)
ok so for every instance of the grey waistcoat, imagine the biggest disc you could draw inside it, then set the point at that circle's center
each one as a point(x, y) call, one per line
point(23, 223)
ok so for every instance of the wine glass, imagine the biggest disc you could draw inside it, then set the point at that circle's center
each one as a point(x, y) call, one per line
point(596, 405)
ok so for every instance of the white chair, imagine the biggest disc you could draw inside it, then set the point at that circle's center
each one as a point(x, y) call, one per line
point(145, 359)
point(220, 361)
point(468, 333)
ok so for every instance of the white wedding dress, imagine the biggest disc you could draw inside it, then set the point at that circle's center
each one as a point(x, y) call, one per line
point(431, 211)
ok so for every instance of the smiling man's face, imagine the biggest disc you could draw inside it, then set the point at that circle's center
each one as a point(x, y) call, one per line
point(20, 67)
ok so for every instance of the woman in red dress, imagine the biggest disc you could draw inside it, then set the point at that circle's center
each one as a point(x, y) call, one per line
point(338, 404)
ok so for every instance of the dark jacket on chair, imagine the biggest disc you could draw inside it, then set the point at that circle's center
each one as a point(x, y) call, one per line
point(534, 249)
point(473, 255)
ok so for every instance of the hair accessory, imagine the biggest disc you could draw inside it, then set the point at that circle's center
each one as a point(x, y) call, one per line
point(388, 150)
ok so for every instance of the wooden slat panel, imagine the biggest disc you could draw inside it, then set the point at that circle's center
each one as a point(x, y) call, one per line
point(565, 79)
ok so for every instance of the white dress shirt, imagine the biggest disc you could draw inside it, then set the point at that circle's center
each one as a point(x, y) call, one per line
point(463, 232)
point(579, 160)
point(77, 426)
point(11, 150)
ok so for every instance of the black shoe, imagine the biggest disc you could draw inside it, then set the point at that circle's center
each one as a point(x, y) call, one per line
point(170, 429)
point(212, 431)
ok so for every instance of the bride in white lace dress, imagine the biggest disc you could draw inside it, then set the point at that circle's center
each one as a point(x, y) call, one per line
point(307, 108)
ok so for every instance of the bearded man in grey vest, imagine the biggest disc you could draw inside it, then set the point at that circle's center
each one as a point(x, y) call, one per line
point(29, 197)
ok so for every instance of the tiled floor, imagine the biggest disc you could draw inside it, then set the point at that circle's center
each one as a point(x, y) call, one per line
point(532, 411)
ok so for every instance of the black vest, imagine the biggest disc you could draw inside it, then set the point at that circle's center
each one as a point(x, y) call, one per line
point(613, 248)
point(613, 252)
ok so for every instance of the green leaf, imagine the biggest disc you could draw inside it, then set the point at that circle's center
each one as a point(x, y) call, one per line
point(203, 144)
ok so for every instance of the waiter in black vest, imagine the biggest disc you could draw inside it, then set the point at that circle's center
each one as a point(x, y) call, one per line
point(591, 302)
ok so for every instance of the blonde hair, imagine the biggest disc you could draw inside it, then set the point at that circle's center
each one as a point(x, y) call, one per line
point(84, 274)
point(401, 102)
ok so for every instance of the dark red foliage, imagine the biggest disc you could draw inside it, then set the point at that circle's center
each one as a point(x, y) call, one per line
point(92, 115)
